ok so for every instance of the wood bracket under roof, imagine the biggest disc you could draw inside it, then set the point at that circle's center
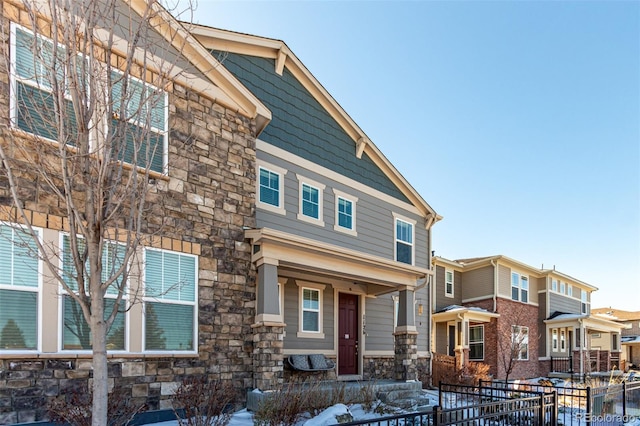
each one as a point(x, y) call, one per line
point(282, 58)
point(362, 143)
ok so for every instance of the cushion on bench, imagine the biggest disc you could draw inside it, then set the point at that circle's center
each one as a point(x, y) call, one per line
point(318, 362)
point(299, 362)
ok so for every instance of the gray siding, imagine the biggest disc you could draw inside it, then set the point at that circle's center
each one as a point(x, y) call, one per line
point(422, 296)
point(291, 319)
point(441, 338)
point(300, 125)
point(379, 323)
point(478, 283)
point(504, 281)
point(374, 218)
point(443, 301)
point(560, 303)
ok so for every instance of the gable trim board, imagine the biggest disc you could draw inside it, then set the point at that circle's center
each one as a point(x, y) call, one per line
point(288, 250)
point(244, 44)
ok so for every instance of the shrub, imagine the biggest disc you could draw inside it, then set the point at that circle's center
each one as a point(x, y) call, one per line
point(75, 409)
point(204, 402)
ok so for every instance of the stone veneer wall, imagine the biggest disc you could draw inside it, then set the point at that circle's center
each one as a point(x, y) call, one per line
point(205, 201)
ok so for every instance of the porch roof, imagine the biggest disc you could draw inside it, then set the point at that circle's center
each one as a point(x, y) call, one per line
point(591, 322)
point(470, 313)
point(304, 254)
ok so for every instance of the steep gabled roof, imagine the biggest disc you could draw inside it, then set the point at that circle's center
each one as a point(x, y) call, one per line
point(245, 44)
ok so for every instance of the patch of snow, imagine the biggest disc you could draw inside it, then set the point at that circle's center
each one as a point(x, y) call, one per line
point(328, 416)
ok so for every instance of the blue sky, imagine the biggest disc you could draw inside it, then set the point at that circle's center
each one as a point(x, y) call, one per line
point(518, 121)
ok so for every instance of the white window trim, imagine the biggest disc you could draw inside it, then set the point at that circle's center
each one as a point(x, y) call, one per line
point(396, 218)
point(562, 287)
point(282, 173)
point(302, 285)
point(320, 188)
point(554, 340)
point(453, 280)
point(336, 227)
point(146, 299)
point(520, 287)
point(470, 342)
point(563, 340)
point(63, 293)
point(38, 290)
point(520, 327)
point(554, 285)
point(569, 290)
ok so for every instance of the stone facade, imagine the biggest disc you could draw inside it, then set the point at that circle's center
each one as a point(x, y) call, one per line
point(406, 356)
point(199, 207)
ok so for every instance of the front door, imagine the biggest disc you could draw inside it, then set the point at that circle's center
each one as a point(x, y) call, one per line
point(347, 333)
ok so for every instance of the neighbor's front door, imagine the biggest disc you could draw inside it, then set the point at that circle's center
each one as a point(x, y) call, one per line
point(347, 333)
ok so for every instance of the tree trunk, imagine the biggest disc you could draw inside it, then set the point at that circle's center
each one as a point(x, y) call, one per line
point(100, 368)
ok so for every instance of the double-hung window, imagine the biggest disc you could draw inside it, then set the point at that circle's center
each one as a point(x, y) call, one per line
point(76, 333)
point(448, 283)
point(519, 287)
point(554, 285)
point(520, 342)
point(345, 213)
point(19, 286)
point(476, 343)
point(311, 202)
point(140, 117)
point(310, 310)
point(270, 187)
point(33, 76)
point(404, 237)
point(170, 315)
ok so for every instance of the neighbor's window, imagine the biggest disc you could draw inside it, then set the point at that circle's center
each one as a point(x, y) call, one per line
point(76, 333)
point(519, 287)
point(404, 240)
point(554, 339)
point(476, 343)
point(520, 342)
point(448, 283)
point(554, 285)
point(19, 285)
point(562, 287)
point(563, 342)
point(569, 290)
point(170, 312)
point(140, 114)
point(615, 342)
point(584, 301)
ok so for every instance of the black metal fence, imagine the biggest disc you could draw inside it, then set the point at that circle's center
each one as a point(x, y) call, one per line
point(562, 365)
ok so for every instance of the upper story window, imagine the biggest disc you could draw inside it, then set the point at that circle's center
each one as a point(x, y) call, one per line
point(615, 342)
point(404, 237)
point(519, 287)
point(140, 111)
point(569, 290)
point(170, 314)
point(270, 187)
point(19, 289)
point(584, 302)
point(562, 287)
point(554, 285)
point(448, 283)
point(311, 202)
point(345, 213)
point(76, 332)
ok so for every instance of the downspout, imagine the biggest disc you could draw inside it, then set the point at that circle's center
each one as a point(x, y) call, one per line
point(582, 342)
point(495, 285)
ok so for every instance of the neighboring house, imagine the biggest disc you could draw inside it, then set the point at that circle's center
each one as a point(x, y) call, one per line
point(483, 307)
point(342, 241)
point(630, 339)
point(205, 188)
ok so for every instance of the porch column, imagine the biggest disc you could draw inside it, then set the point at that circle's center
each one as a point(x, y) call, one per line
point(268, 330)
point(406, 338)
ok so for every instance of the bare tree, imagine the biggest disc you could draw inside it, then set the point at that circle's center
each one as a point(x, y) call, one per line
point(84, 139)
point(512, 341)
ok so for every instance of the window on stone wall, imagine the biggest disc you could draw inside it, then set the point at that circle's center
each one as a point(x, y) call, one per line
point(170, 314)
point(19, 289)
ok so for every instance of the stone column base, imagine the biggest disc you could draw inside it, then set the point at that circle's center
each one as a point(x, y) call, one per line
point(268, 349)
point(406, 356)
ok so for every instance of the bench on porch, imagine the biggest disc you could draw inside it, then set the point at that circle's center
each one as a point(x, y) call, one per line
point(314, 362)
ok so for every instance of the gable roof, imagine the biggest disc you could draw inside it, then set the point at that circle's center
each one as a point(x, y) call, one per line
point(277, 50)
point(616, 314)
point(226, 89)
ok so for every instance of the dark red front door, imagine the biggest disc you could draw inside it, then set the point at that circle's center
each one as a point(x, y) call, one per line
point(348, 334)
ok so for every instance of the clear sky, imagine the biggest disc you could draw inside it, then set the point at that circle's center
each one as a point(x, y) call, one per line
point(518, 121)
